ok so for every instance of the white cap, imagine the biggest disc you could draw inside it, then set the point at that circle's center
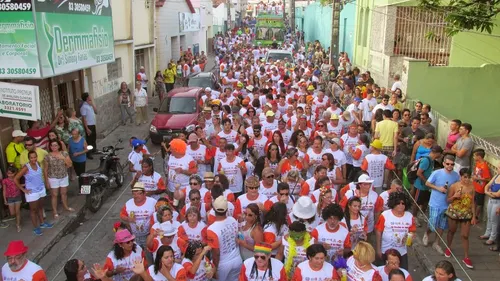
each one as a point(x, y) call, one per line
point(18, 133)
point(208, 89)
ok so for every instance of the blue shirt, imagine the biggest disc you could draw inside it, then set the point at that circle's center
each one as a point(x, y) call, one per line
point(427, 165)
point(77, 147)
point(439, 178)
point(87, 111)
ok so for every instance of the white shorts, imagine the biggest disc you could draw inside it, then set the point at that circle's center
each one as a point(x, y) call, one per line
point(35, 196)
point(56, 183)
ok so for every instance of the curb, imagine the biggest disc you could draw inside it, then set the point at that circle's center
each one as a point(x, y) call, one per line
point(419, 250)
point(79, 213)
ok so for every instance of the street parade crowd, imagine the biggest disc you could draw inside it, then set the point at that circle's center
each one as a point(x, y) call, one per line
point(301, 169)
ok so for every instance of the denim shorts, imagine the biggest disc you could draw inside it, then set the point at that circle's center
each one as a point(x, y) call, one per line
point(12, 200)
point(437, 219)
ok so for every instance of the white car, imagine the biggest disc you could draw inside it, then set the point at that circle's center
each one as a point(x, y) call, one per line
point(279, 55)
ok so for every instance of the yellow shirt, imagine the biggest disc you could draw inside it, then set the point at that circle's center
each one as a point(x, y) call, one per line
point(169, 75)
point(13, 151)
point(40, 154)
point(386, 129)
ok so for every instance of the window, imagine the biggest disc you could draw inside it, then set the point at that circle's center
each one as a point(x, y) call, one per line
point(115, 69)
point(180, 105)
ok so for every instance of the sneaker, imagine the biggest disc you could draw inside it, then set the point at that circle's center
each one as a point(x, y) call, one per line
point(4, 225)
point(447, 253)
point(46, 225)
point(438, 249)
point(37, 231)
point(425, 239)
point(468, 263)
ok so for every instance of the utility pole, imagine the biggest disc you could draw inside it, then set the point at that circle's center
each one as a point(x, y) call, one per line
point(292, 16)
point(228, 15)
point(334, 45)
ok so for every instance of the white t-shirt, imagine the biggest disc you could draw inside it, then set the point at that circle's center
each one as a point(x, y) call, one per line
point(395, 85)
point(222, 235)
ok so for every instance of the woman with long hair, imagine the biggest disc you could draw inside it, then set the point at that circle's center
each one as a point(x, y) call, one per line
point(61, 128)
point(444, 272)
point(355, 222)
point(55, 170)
point(251, 232)
point(34, 191)
point(273, 157)
point(165, 267)
point(124, 101)
point(293, 247)
point(290, 163)
point(325, 198)
point(160, 88)
point(277, 138)
point(54, 135)
point(333, 172)
point(120, 260)
point(423, 147)
point(379, 116)
point(224, 182)
point(195, 262)
point(275, 226)
point(461, 212)
point(294, 139)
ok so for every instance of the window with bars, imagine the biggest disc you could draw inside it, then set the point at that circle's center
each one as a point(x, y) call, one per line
point(115, 69)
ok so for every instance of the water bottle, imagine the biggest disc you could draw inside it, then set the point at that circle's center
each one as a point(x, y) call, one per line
point(240, 235)
point(446, 186)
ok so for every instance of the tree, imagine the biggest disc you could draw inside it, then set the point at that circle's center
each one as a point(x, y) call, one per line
point(462, 15)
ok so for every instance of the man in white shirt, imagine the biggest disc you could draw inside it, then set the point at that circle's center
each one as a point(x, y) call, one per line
point(397, 83)
point(141, 77)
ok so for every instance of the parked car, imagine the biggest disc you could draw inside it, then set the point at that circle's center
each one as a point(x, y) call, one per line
point(279, 55)
point(203, 80)
point(177, 112)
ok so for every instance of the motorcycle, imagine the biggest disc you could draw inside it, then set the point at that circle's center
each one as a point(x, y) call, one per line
point(94, 183)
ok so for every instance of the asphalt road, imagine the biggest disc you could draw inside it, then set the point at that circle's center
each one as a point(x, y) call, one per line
point(91, 238)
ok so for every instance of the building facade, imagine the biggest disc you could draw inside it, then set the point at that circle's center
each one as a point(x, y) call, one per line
point(182, 25)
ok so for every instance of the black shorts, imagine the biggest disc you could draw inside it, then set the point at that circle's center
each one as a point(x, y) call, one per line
point(479, 199)
point(422, 196)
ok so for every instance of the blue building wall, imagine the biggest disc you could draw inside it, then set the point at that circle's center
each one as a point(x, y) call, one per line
point(318, 25)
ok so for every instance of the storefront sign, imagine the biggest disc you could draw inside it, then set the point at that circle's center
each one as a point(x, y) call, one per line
point(189, 21)
point(19, 101)
point(73, 35)
point(18, 47)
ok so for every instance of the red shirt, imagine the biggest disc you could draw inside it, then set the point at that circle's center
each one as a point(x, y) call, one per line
point(11, 189)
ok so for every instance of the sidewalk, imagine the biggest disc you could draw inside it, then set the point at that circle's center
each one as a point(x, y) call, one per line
point(40, 245)
point(486, 263)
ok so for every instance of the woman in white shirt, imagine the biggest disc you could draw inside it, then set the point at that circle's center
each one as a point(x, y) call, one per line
point(140, 104)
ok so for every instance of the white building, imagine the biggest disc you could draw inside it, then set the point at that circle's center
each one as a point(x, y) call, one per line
point(182, 25)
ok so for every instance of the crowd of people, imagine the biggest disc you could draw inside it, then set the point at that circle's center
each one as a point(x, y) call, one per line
point(296, 170)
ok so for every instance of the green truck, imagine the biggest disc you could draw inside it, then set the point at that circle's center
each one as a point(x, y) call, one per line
point(268, 29)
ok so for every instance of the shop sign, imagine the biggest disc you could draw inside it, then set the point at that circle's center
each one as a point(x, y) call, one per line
point(18, 47)
point(189, 21)
point(73, 35)
point(19, 101)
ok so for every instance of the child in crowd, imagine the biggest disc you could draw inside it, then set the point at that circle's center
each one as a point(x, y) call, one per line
point(12, 196)
point(480, 177)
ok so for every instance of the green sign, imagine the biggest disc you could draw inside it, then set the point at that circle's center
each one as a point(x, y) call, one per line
point(73, 35)
point(18, 46)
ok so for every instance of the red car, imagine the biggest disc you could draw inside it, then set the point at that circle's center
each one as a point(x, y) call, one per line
point(178, 111)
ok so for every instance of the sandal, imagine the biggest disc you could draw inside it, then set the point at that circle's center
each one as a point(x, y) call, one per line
point(483, 237)
point(489, 242)
point(56, 216)
point(70, 209)
point(493, 249)
point(18, 228)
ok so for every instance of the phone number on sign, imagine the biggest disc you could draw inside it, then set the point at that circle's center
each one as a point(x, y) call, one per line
point(102, 58)
point(15, 6)
point(17, 70)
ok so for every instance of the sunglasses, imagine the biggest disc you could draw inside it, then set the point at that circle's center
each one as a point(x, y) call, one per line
point(252, 187)
point(270, 177)
point(195, 199)
point(284, 194)
point(402, 203)
point(193, 183)
point(449, 164)
point(320, 126)
point(28, 144)
point(129, 242)
point(260, 257)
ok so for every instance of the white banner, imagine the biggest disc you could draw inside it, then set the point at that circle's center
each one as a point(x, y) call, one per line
point(19, 101)
point(189, 22)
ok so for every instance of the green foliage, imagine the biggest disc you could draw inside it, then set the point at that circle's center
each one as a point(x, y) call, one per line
point(461, 15)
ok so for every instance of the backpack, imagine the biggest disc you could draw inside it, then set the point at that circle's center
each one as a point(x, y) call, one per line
point(412, 168)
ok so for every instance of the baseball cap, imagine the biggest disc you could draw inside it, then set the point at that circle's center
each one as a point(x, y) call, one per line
point(334, 117)
point(18, 133)
point(192, 138)
point(220, 204)
point(137, 142)
point(376, 144)
point(270, 113)
point(208, 89)
point(365, 179)
point(357, 99)
point(335, 140)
